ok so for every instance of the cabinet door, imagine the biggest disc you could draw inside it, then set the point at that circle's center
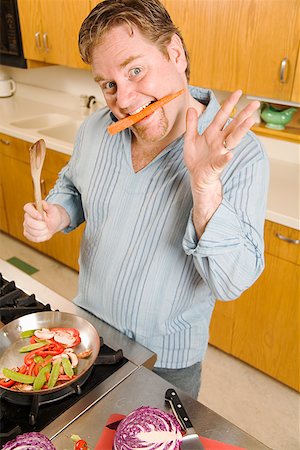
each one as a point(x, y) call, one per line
point(221, 326)
point(266, 327)
point(3, 216)
point(217, 37)
point(276, 29)
point(296, 86)
point(31, 29)
point(50, 30)
point(18, 189)
point(62, 20)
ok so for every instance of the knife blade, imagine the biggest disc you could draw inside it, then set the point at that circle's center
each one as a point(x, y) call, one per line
point(191, 439)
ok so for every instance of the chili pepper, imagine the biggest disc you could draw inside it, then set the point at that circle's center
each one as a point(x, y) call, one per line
point(23, 369)
point(44, 353)
point(64, 378)
point(81, 445)
point(54, 374)
point(29, 357)
point(31, 368)
point(17, 376)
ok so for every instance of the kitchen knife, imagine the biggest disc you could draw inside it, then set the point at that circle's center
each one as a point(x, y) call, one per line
point(191, 439)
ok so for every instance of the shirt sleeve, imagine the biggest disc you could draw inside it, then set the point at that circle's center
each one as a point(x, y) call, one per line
point(229, 256)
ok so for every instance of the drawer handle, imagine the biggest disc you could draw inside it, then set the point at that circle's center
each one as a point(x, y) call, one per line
point(283, 70)
point(4, 141)
point(286, 239)
point(45, 41)
point(37, 40)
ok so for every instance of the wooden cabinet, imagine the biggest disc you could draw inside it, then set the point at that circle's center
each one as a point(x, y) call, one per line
point(241, 44)
point(273, 52)
point(296, 86)
point(17, 190)
point(262, 326)
point(50, 30)
point(3, 216)
point(215, 35)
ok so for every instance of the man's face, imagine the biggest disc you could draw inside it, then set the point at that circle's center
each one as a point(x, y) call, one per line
point(132, 72)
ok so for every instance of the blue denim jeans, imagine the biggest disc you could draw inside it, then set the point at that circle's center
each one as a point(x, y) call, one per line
point(187, 379)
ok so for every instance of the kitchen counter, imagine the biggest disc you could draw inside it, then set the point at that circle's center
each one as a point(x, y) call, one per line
point(284, 193)
point(145, 388)
point(131, 386)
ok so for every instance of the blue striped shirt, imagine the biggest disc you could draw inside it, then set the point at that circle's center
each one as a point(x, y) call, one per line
point(142, 268)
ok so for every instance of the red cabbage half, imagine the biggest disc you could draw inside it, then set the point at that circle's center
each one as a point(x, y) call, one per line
point(29, 441)
point(149, 429)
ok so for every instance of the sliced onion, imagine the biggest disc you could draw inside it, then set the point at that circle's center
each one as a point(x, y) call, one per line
point(149, 429)
point(29, 441)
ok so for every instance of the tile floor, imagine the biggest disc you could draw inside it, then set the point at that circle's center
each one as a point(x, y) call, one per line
point(254, 402)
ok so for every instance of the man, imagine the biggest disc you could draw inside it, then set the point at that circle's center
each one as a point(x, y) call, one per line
point(174, 206)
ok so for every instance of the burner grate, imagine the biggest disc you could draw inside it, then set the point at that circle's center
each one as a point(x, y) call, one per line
point(15, 303)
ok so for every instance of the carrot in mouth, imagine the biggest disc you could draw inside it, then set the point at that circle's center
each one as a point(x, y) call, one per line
point(122, 124)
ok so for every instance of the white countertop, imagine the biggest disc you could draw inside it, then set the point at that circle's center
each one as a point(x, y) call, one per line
point(284, 193)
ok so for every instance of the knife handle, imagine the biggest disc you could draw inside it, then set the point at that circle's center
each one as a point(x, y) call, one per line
point(178, 409)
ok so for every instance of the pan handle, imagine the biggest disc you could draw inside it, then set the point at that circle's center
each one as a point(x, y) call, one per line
point(109, 359)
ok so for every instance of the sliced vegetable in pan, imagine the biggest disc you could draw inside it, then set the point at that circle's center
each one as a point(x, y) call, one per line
point(50, 360)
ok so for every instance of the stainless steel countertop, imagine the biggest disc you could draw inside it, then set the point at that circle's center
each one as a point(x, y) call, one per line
point(130, 387)
point(144, 388)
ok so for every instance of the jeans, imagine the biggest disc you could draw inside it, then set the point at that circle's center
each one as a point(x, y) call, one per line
point(187, 379)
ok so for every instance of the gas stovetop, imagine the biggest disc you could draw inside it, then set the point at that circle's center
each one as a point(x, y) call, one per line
point(54, 413)
point(15, 303)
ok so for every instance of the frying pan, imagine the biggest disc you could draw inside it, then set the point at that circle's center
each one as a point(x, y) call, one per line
point(11, 342)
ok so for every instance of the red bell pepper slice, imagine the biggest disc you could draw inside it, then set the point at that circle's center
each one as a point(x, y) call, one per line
point(81, 445)
point(7, 383)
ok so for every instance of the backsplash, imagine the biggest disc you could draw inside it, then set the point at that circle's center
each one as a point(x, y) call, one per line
point(59, 78)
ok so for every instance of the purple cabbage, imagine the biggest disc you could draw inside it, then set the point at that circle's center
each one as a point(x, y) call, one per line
point(29, 441)
point(149, 429)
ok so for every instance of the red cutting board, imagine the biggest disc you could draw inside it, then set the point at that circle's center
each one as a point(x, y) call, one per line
point(106, 439)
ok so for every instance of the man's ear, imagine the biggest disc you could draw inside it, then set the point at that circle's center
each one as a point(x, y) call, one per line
point(176, 53)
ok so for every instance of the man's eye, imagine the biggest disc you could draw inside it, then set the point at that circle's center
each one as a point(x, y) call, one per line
point(109, 85)
point(135, 71)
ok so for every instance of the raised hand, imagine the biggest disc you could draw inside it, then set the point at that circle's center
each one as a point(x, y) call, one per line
point(206, 155)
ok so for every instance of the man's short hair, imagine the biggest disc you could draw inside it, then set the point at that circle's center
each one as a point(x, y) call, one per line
point(149, 16)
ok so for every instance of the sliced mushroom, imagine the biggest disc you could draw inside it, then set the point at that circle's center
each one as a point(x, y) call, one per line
point(85, 354)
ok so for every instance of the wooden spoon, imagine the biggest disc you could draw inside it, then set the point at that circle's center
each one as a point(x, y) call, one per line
point(37, 157)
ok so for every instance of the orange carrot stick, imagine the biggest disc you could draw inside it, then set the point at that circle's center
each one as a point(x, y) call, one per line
point(122, 124)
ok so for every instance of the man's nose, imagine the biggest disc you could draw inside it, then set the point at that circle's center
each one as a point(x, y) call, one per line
point(125, 95)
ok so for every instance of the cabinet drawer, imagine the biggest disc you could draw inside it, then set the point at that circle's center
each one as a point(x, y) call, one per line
point(282, 241)
point(14, 148)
